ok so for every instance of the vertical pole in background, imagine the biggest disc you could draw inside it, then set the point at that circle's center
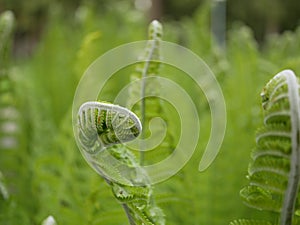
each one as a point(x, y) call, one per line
point(218, 22)
point(156, 10)
point(152, 8)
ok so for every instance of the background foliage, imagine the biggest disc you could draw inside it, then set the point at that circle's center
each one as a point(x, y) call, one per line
point(46, 174)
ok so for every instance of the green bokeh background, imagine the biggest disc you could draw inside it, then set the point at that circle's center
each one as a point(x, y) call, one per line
point(53, 44)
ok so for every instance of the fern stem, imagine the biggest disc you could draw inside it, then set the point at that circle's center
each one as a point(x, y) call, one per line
point(290, 197)
point(125, 207)
point(128, 214)
point(143, 108)
point(143, 100)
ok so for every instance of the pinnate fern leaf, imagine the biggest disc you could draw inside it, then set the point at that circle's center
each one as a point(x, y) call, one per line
point(149, 65)
point(148, 91)
point(274, 171)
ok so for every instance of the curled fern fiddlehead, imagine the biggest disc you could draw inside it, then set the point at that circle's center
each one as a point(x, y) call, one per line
point(102, 128)
point(103, 125)
point(274, 172)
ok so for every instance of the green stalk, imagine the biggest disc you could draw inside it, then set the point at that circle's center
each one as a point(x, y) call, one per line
point(128, 214)
point(290, 197)
point(143, 100)
point(151, 53)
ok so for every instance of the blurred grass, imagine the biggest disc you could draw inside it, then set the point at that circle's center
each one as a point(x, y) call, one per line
point(54, 179)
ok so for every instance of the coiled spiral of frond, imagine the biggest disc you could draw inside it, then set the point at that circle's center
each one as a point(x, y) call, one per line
point(102, 125)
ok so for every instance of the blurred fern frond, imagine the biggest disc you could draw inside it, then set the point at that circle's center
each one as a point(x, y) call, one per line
point(8, 139)
point(147, 91)
point(14, 206)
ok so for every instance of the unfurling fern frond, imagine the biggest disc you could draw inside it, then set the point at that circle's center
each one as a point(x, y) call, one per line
point(102, 128)
point(148, 91)
point(275, 168)
point(149, 65)
point(103, 125)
